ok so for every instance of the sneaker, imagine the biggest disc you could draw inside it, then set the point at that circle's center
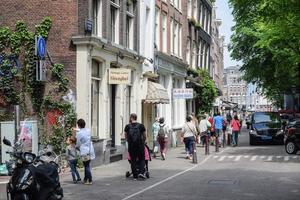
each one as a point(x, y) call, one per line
point(88, 183)
point(142, 176)
point(78, 180)
point(163, 156)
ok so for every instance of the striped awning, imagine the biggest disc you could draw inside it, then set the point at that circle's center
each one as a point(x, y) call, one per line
point(156, 94)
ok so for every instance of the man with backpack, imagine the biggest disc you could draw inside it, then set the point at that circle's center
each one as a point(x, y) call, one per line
point(162, 137)
point(135, 134)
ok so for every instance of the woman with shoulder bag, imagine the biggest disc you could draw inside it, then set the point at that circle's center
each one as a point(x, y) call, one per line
point(189, 133)
point(84, 143)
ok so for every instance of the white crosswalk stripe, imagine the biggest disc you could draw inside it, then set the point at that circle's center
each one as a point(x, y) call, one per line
point(222, 158)
point(286, 158)
point(270, 158)
point(252, 158)
point(237, 158)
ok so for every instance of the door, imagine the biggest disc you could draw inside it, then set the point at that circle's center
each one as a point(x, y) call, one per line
point(113, 115)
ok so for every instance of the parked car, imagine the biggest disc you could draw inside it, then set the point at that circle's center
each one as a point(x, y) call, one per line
point(292, 137)
point(265, 127)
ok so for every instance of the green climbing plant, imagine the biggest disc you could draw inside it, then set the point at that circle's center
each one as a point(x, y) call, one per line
point(18, 84)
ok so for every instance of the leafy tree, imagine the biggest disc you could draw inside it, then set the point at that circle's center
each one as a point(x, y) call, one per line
point(267, 40)
point(206, 91)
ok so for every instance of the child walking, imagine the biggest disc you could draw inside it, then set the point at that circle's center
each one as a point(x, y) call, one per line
point(72, 157)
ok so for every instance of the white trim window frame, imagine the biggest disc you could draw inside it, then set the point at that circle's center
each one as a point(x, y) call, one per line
point(164, 32)
point(189, 8)
point(172, 36)
point(97, 18)
point(195, 9)
point(114, 22)
point(129, 26)
point(157, 28)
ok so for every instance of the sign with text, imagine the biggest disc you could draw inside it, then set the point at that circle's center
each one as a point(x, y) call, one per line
point(119, 76)
point(183, 93)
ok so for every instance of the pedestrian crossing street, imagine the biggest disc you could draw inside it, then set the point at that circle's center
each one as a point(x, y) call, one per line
point(252, 158)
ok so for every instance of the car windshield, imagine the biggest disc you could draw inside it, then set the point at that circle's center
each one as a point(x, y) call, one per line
point(266, 117)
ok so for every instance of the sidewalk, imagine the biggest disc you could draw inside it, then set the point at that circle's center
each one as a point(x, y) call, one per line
point(109, 181)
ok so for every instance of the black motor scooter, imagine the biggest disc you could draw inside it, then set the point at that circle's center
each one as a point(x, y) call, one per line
point(31, 179)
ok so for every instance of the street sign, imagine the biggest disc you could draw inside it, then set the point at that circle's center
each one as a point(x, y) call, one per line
point(40, 47)
point(41, 70)
point(183, 93)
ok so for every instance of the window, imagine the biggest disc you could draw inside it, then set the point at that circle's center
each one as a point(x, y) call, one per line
point(114, 21)
point(164, 32)
point(176, 40)
point(130, 14)
point(180, 41)
point(95, 98)
point(195, 9)
point(200, 54)
point(157, 31)
point(172, 41)
point(188, 51)
point(189, 8)
point(97, 18)
point(194, 56)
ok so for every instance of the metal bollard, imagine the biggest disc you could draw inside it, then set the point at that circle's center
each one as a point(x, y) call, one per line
point(206, 145)
point(224, 140)
point(195, 153)
point(217, 143)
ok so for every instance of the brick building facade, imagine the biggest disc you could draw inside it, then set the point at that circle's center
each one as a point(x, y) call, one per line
point(64, 25)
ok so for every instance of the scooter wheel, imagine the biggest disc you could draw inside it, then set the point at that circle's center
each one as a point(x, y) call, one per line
point(147, 174)
point(127, 174)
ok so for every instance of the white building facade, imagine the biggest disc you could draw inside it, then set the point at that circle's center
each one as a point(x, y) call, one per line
point(234, 88)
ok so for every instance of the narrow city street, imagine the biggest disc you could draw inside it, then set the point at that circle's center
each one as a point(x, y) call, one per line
point(244, 172)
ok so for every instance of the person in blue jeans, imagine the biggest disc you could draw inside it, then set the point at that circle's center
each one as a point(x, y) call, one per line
point(189, 133)
point(218, 122)
point(87, 153)
point(72, 157)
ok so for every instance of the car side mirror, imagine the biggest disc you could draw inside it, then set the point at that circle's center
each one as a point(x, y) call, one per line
point(6, 142)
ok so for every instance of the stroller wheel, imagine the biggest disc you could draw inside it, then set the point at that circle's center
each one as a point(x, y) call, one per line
point(147, 174)
point(128, 174)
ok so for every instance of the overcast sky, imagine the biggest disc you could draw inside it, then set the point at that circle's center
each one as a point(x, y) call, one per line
point(224, 13)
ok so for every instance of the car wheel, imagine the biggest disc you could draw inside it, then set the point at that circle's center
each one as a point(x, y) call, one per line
point(251, 141)
point(290, 147)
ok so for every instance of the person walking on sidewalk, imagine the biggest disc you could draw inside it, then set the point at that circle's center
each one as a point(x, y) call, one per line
point(236, 126)
point(135, 134)
point(189, 133)
point(72, 157)
point(204, 125)
point(218, 122)
point(155, 129)
point(212, 129)
point(87, 154)
point(162, 137)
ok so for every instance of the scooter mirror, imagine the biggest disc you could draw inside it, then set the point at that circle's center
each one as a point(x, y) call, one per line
point(6, 142)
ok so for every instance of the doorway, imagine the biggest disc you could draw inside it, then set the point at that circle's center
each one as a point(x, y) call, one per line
point(113, 115)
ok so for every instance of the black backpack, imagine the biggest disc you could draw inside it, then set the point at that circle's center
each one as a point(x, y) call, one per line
point(134, 135)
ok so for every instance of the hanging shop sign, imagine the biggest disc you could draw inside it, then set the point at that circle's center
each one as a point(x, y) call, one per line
point(183, 93)
point(119, 76)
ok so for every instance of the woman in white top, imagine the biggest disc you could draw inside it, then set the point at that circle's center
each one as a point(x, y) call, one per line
point(86, 148)
point(189, 132)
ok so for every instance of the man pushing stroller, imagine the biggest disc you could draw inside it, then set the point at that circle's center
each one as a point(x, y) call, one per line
point(135, 134)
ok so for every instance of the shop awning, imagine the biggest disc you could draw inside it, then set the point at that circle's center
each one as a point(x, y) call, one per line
point(156, 94)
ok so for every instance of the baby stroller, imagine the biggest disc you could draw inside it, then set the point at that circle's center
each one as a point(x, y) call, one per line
point(147, 159)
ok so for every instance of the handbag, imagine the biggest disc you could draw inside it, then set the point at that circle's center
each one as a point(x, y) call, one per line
point(87, 157)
